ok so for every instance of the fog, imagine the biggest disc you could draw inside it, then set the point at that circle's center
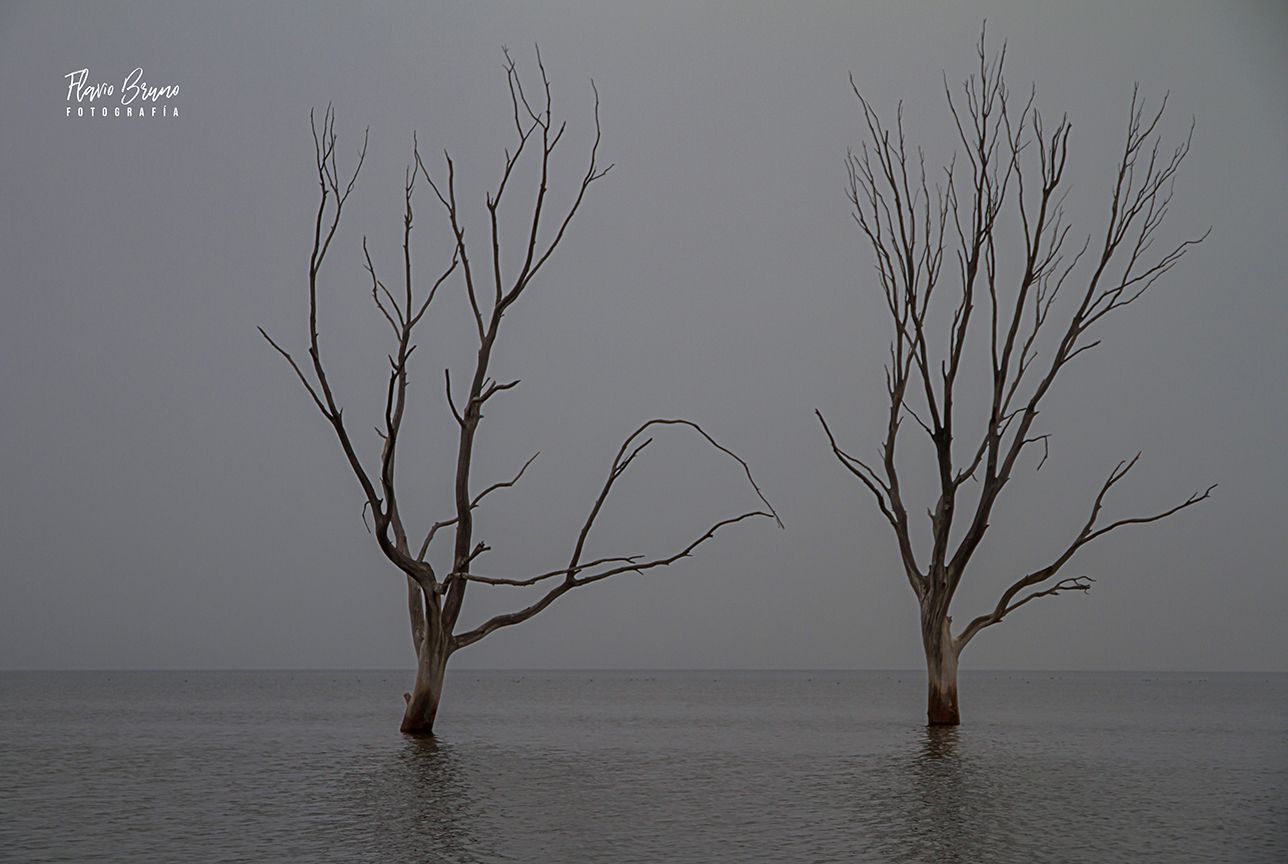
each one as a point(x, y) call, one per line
point(172, 498)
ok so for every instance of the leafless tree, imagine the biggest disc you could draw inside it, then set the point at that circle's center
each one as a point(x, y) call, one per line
point(435, 595)
point(1013, 159)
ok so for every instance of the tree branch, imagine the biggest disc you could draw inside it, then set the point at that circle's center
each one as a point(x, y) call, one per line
point(1088, 534)
point(626, 454)
point(572, 581)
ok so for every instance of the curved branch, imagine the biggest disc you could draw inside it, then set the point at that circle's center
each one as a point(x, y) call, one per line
point(626, 454)
point(1088, 534)
point(1075, 583)
point(571, 581)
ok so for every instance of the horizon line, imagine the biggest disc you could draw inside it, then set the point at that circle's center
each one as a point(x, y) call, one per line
point(637, 669)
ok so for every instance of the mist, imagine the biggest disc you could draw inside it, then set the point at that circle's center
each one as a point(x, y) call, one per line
point(173, 500)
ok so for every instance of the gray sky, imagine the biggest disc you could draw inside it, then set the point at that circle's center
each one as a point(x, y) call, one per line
point(171, 498)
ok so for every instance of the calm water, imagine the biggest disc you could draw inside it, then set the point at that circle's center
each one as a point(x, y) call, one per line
point(631, 766)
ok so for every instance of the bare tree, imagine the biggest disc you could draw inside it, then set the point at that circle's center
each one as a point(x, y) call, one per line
point(1013, 160)
point(435, 596)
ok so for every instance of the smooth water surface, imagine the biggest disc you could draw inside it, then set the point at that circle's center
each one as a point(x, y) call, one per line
point(643, 767)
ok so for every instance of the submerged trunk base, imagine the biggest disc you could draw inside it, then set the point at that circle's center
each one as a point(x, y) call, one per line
point(417, 720)
point(422, 701)
point(942, 705)
point(941, 674)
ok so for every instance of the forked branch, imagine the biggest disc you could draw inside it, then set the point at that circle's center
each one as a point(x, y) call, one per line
point(575, 574)
point(1089, 533)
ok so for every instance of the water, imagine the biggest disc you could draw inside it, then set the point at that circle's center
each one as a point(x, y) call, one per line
point(643, 767)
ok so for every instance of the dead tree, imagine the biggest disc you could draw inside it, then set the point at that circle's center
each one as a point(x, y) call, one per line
point(1014, 161)
point(436, 595)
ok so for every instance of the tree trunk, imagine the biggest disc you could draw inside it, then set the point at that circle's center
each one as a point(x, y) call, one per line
point(941, 670)
point(422, 701)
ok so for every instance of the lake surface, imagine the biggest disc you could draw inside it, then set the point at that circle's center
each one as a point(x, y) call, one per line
point(643, 767)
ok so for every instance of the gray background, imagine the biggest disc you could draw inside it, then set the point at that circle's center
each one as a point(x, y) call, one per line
point(171, 498)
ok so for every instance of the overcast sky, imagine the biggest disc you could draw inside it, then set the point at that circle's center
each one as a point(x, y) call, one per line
point(172, 499)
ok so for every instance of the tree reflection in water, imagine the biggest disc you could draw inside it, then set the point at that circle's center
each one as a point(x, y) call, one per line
point(418, 803)
point(931, 802)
